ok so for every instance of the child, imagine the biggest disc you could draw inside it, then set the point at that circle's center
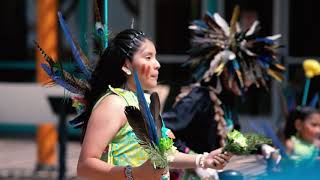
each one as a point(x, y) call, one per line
point(302, 132)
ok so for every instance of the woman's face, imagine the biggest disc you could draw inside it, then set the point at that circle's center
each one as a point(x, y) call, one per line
point(309, 129)
point(147, 66)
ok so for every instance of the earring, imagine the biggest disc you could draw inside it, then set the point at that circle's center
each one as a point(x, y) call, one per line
point(126, 70)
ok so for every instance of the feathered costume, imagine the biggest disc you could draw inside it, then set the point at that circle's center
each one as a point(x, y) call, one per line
point(221, 55)
point(76, 82)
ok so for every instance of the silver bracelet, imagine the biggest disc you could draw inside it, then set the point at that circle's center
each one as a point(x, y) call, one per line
point(128, 172)
point(200, 160)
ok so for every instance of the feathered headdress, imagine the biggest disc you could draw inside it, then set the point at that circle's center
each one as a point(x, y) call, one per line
point(147, 125)
point(76, 82)
point(216, 47)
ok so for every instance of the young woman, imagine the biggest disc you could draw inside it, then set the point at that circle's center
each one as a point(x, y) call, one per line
point(110, 149)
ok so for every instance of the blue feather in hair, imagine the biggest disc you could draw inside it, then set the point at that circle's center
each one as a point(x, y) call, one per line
point(58, 80)
point(99, 25)
point(47, 69)
point(79, 56)
point(146, 111)
point(101, 36)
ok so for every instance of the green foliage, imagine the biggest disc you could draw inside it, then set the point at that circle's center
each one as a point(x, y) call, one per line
point(240, 144)
point(157, 157)
point(160, 155)
point(165, 144)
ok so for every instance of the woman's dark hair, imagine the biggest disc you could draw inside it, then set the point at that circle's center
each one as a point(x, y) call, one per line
point(108, 70)
point(301, 113)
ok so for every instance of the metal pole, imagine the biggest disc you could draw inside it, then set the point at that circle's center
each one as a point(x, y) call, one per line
point(62, 141)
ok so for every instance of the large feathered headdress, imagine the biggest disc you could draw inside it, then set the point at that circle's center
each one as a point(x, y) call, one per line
point(76, 82)
point(222, 51)
point(216, 47)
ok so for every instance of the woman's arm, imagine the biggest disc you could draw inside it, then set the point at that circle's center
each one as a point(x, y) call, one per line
point(215, 160)
point(105, 121)
point(184, 161)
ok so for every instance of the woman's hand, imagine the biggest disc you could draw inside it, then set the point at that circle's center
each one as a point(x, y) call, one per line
point(216, 159)
point(147, 172)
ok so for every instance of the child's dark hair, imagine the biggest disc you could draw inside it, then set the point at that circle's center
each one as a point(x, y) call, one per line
point(301, 113)
point(108, 70)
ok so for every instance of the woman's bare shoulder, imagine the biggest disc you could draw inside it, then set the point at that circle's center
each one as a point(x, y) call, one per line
point(111, 108)
point(114, 100)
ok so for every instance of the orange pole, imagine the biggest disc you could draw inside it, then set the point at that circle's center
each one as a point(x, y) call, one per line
point(46, 142)
point(47, 36)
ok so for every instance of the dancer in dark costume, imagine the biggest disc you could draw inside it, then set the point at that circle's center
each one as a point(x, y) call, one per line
point(225, 61)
